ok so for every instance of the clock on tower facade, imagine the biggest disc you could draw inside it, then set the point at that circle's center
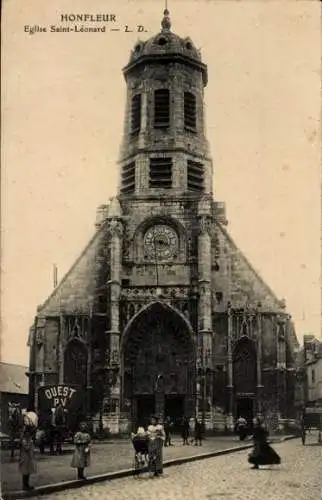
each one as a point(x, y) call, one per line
point(161, 243)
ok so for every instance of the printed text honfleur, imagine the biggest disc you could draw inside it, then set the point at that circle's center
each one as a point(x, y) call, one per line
point(92, 18)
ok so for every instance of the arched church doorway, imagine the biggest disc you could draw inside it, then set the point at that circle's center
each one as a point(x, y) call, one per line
point(158, 352)
point(245, 378)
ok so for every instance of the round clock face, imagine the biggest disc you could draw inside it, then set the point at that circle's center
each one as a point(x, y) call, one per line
point(160, 242)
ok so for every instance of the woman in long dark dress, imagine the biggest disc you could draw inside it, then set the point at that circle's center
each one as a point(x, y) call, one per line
point(263, 453)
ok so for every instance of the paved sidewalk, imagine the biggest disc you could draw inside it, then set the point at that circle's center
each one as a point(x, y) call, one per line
point(108, 457)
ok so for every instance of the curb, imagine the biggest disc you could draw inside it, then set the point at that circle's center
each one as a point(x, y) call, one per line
point(55, 488)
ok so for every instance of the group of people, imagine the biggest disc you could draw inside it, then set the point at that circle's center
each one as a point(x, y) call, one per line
point(52, 430)
point(193, 429)
point(156, 435)
point(25, 427)
point(27, 462)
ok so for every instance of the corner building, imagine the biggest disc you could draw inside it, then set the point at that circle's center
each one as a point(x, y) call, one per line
point(162, 313)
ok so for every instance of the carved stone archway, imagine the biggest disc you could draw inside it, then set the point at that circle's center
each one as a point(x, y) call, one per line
point(158, 361)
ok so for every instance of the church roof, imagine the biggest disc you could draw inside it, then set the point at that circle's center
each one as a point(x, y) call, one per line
point(246, 285)
point(88, 275)
point(165, 43)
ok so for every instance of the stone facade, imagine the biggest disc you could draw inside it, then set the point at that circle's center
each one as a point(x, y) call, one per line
point(162, 312)
point(308, 390)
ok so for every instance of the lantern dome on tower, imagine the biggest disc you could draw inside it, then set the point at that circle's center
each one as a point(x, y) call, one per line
point(165, 43)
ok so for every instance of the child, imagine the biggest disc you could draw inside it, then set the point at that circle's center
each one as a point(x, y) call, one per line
point(27, 464)
point(141, 451)
point(81, 457)
point(140, 433)
point(40, 439)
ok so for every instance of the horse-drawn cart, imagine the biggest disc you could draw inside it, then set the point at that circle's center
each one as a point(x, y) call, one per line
point(311, 420)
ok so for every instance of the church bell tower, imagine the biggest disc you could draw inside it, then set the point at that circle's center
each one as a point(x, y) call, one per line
point(164, 196)
point(164, 151)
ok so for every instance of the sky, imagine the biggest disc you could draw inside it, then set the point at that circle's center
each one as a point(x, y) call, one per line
point(63, 101)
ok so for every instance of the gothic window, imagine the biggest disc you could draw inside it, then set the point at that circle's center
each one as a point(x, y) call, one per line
point(195, 176)
point(190, 115)
point(136, 114)
point(128, 178)
point(161, 108)
point(160, 175)
point(75, 363)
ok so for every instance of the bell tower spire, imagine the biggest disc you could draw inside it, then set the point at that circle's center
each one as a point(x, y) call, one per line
point(166, 22)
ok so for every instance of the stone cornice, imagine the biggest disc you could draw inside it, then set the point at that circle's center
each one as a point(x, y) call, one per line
point(153, 150)
point(165, 59)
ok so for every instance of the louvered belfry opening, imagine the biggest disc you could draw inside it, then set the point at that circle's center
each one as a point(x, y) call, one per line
point(161, 108)
point(160, 173)
point(195, 174)
point(128, 178)
point(190, 113)
point(136, 114)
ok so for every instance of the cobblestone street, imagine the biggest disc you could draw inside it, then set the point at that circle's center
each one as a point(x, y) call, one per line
point(299, 477)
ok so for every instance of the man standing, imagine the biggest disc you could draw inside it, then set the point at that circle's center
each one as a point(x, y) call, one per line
point(167, 429)
point(57, 429)
point(59, 426)
point(198, 432)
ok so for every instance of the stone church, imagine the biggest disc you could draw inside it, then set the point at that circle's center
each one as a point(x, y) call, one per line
point(162, 313)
